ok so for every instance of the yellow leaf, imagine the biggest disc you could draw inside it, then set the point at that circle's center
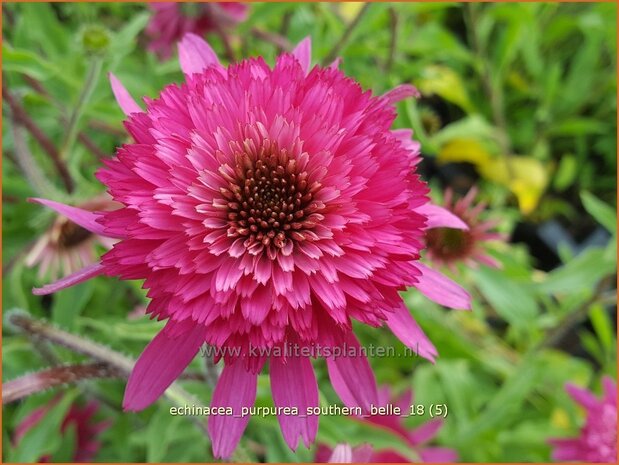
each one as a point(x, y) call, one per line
point(526, 177)
point(560, 419)
point(350, 10)
point(464, 150)
point(445, 82)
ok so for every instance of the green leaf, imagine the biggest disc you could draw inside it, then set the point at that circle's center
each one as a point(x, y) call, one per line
point(503, 409)
point(579, 275)
point(602, 212)
point(602, 325)
point(577, 126)
point(513, 300)
point(44, 437)
point(40, 25)
point(70, 303)
point(159, 436)
point(68, 445)
point(566, 172)
point(445, 82)
point(123, 42)
point(27, 62)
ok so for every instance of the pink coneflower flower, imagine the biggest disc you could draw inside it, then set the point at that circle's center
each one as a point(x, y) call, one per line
point(344, 453)
point(80, 418)
point(266, 207)
point(416, 438)
point(598, 437)
point(448, 246)
point(171, 21)
point(66, 247)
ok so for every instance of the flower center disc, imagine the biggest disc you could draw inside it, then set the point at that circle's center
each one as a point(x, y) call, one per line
point(72, 234)
point(448, 243)
point(271, 202)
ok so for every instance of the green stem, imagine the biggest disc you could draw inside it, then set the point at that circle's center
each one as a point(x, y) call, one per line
point(335, 51)
point(37, 180)
point(492, 85)
point(89, 86)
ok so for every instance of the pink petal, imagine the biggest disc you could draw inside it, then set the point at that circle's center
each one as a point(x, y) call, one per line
point(195, 54)
point(293, 384)
point(352, 377)
point(426, 431)
point(303, 53)
point(341, 454)
point(489, 261)
point(161, 362)
point(442, 290)
point(84, 218)
point(439, 217)
point(406, 329)
point(362, 453)
point(236, 388)
point(31, 420)
point(335, 64)
point(566, 449)
point(438, 455)
point(583, 396)
point(610, 390)
point(123, 97)
point(400, 93)
point(80, 276)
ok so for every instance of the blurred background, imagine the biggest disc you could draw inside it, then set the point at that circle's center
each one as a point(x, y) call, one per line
point(516, 99)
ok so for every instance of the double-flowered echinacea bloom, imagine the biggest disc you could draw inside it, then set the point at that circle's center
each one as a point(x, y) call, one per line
point(266, 207)
point(598, 437)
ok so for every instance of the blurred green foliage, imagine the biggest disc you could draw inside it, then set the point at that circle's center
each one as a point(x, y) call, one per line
point(526, 93)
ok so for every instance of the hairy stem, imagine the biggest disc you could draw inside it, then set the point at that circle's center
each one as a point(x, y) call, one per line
point(77, 344)
point(116, 362)
point(52, 377)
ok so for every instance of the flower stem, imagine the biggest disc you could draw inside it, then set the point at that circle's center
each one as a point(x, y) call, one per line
point(276, 39)
point(116, 362)
point(492, 88)
point(89, 86)
point(32, 383)
point(556, 334)
point(335, 51)
point(81, 136)
point(77, 344)
point(393, 41)
point(21, 117)
point(29, 166)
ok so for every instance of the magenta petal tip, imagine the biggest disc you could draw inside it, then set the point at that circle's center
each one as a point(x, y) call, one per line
point(126, 103)
point(303, 53)
point(195, 54)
